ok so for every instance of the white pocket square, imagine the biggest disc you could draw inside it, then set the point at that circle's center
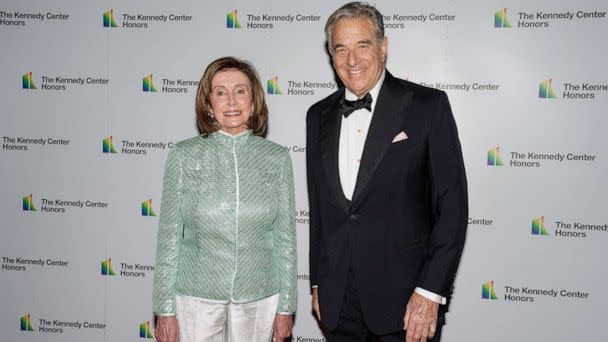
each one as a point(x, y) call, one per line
point(400, 136)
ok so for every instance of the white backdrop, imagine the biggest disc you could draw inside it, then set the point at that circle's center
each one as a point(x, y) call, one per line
point(544, 282)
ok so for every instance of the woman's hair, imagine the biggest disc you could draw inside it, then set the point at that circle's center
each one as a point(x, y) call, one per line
point(258, 121)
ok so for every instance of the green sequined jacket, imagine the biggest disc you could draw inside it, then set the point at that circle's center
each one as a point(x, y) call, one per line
point(227, 223)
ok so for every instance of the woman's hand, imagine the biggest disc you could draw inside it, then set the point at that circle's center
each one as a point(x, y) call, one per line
point(166, 329)
point(281, 329)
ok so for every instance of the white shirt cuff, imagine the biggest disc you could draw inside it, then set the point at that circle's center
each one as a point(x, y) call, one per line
point(430, 295)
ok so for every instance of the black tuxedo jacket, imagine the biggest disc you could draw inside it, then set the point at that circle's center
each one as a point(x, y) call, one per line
point(406, 224)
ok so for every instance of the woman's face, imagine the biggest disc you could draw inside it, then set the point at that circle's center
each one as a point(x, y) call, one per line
point(231, 100)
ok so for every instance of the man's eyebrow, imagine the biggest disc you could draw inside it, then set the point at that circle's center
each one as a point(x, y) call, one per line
point(365, 41)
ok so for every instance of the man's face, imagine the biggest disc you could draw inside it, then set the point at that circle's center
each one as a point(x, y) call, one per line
point(358, 58)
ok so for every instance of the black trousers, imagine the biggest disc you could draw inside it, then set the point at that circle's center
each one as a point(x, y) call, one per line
point(351, 325)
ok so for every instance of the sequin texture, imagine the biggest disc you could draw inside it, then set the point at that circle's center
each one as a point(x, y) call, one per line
point(227, 223)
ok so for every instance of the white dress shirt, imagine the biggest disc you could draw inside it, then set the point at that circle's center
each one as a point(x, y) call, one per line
point(353, 133)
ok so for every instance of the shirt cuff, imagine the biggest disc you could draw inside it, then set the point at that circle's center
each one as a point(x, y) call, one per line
point(164, 314)
point(315, 286)
point(430, 295)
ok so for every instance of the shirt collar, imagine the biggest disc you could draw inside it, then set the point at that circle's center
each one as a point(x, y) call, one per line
point(228, 139)
point(243, 133)
point(373, 92)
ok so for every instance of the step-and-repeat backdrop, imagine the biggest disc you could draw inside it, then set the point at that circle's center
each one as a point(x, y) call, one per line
point(94, 95)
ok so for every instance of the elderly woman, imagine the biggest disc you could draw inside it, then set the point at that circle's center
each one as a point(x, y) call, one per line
point(226, 254)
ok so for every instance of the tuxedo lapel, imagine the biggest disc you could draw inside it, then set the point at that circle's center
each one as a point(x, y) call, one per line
point(388, 115)
point(330, 141)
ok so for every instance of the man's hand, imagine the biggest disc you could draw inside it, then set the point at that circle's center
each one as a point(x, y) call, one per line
point(281, 329)
point(166, 329)
point(315, 302)
point(420, 319)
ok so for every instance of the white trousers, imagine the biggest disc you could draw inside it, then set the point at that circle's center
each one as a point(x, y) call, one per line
point(203, 321)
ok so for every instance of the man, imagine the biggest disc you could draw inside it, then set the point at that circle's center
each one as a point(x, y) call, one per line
point(387, 191)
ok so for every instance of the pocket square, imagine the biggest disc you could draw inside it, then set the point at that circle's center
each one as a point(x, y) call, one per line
point(400, 136)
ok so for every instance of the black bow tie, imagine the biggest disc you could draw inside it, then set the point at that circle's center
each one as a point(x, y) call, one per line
point(347, 107)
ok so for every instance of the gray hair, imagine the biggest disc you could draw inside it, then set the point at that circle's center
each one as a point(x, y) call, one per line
point(355, 9)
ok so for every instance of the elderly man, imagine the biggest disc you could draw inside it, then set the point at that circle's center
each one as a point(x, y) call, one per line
point(387, 191)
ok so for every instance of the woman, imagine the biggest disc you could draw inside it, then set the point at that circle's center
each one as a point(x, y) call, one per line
point(226, 253)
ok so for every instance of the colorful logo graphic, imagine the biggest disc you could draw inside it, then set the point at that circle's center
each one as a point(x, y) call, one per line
point(538, 226)
point(232, 21)
point(487, 291)
point(106, 267)
point(144, 330)
point(149, 84)
point(545, 90)
point(108, 19)
point(28, 203)
point(26, 323)
point(27, 81)
point(494, 157)
point(273, 86)
point(146, 208)
point(108, 145)
point(501, 20)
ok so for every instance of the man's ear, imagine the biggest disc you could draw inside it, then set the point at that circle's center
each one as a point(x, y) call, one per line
point(384, 49)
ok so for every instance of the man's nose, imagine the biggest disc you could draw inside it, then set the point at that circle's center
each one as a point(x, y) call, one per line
point(353, 58)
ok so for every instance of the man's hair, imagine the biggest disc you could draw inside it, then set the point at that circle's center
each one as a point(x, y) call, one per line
point(351, 10)
point(258, 121)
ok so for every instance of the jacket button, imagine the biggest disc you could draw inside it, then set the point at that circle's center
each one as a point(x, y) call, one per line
point(354, 217)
